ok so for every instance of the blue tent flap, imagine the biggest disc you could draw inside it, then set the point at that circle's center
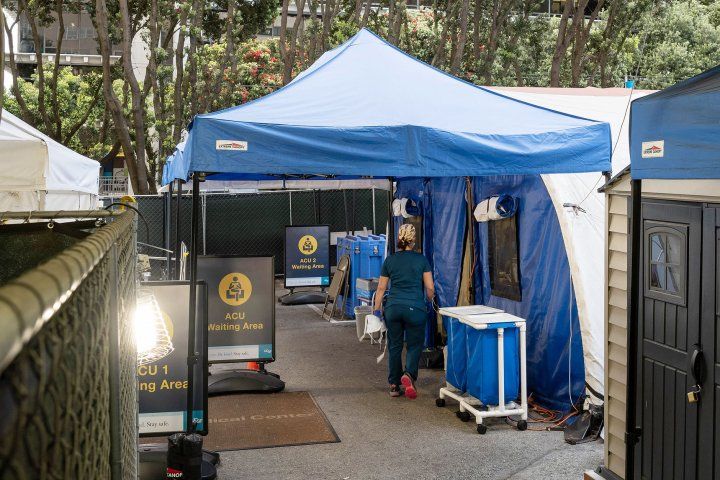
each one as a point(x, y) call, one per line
point(555, 364)
point(367, 108)
point(674, 133)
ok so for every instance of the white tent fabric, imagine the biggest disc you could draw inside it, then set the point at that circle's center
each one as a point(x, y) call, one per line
point(42, 174)
point(584, 227)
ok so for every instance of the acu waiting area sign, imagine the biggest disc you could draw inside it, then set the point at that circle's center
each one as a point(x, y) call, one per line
point(241, 308)
point(307, 256)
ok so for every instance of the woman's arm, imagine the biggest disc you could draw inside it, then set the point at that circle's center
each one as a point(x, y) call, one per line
point(380, 293)
point(429, 285)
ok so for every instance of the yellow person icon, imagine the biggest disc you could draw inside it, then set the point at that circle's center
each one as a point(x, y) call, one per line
point(307, 244)
point(235, 289)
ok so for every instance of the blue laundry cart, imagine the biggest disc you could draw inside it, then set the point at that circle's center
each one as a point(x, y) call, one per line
point(496, 366)
point(456, 357)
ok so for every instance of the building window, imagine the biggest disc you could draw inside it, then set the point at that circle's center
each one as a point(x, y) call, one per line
point(504, 258)
point(666, 262)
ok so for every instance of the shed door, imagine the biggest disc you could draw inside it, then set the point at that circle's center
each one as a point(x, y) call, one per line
point(669, 335)
point(709, 434)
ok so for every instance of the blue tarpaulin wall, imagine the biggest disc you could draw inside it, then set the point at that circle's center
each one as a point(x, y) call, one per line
point(444, 226)
point(556, 370)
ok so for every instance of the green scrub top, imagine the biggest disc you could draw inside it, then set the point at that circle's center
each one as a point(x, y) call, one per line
point(405, 270)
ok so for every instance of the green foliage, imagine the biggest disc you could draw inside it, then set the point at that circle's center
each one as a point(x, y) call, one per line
point(79, 95)
point(681, 40)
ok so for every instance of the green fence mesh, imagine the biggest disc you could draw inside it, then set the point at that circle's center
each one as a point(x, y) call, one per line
point(247, 224)
point(68, 392)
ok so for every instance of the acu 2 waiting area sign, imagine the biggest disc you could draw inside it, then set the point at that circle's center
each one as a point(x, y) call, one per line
point(241, 308)
point(307, 256)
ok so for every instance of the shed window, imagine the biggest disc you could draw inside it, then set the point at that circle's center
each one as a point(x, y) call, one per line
point(665, 264)
point(504, 258)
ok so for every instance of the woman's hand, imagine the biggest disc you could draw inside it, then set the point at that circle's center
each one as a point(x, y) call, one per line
point(380, 293)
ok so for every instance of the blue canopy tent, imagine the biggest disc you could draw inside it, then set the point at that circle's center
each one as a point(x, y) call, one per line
point(673, 135)
point(368, 109)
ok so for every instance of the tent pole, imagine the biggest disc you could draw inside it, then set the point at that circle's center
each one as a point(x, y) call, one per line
point(167, 227)
point(471, 239)
point(178, 202)
point(194, 246)
point(391, 222)
point(632, 431)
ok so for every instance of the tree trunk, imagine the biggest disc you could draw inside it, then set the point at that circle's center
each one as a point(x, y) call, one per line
point(461, 38)
point(582, 35)
point(561, 44)
point(138, 112)
point(477, 46)
point(439, 57)
point(40, 69)
point(195, 32)
point(498, 21)
point(178, 100)
point(56, 71)
point(283, 41)
point(138, 176)
point(25, 112)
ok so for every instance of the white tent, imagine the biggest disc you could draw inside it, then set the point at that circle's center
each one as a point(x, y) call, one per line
point(584, 227)
point(42, 174)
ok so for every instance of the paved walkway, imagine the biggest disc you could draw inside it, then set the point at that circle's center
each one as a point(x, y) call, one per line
point(384, 438)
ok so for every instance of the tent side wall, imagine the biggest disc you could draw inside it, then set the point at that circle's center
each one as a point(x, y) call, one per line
point(549, 303)
point(616, 295)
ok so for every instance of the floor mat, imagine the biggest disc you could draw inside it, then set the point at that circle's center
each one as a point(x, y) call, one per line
point(245, 421)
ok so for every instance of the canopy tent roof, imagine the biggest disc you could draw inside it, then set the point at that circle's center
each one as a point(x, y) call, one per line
point(367, 108)
point(674, 133)
point(33, 161)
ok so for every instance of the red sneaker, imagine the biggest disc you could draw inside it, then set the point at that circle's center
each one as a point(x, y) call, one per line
point(407, 382)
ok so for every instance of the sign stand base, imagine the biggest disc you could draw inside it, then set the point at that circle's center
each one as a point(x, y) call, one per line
point(236, 381)
point(302, 298)
point(152, 462)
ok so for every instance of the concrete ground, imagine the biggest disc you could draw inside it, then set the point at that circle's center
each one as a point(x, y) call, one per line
point(383, 437)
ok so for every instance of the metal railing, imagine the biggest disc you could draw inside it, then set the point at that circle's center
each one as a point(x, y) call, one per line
point(114, 186)
point(68, 388)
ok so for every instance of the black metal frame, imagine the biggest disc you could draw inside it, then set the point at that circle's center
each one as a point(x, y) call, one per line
point(192, 357)
point(272, 284)
point(285, 264)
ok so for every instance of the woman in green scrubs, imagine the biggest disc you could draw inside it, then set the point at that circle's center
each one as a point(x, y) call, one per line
point(405, 310)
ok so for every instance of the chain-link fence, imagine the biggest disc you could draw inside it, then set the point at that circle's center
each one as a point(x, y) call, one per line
point(248, 224)
point(68, 392)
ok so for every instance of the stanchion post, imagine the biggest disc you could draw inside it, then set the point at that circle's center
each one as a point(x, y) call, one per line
point(192, 353)
point(391, 222)
point(167, 227)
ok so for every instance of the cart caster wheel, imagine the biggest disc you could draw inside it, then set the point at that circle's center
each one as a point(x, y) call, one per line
point(522, 425)
point(464, 416)
point(440, 402)
point(482, 429)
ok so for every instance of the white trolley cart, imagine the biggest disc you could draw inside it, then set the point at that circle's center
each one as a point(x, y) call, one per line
point(480, 317)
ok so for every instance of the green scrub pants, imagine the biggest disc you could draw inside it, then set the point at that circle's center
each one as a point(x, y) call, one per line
point(408, 322)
